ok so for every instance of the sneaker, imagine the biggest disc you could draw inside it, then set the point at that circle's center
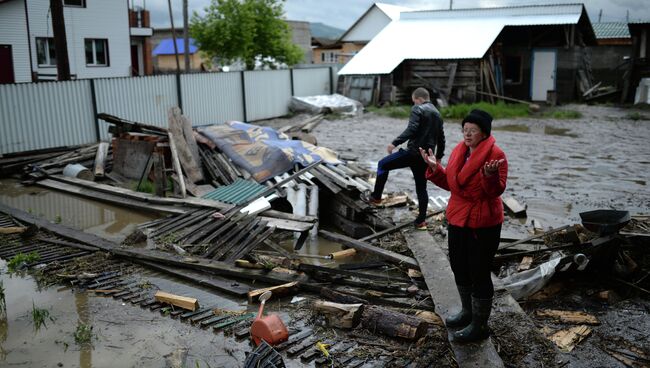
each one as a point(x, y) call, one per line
point(421, 226)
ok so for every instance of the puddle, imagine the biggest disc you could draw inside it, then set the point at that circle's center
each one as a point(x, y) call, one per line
point(123, 335)
point(513, 128)
point(549, 130)
point(102, 219)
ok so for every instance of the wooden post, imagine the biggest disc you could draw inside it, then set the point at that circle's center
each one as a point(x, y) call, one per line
point(60, 41)
point(177, 166)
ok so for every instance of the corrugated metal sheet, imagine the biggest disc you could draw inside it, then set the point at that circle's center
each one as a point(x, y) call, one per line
point(311, 82)
point(611, 30)
point(45, 115)
point(462, 34)
point(142, 99)
point(236, 193)
point(212, 98)
point(268, 94)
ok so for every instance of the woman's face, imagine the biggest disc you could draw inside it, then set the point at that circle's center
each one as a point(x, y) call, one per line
point(472, 135)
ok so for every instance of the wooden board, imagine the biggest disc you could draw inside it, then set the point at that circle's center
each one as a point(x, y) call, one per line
point(177, 300)
point(368, 248)
point(278, 290)
point(566, 340)
point(514, 207)
point(572, 317)
point(178, 139)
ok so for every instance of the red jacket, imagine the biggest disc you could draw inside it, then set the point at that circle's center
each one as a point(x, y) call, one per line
point(475, 198)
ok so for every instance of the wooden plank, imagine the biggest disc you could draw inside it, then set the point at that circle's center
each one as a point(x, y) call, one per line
point(368, 248)
point(571, 317)
point(177, 166)
point(12, 230)
point(442, 287)
point(177, 300)
point(278, 290)
point(566, 340)
point(177, 142)
point(514, 207)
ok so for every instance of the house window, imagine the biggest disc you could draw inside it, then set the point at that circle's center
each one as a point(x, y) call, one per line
point(328, 57)
point(96, 52)
point(45, 52)
point(512, 69)
point(75, 3)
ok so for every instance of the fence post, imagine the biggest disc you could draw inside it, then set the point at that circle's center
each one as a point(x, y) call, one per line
point(93, 98)
point(179, 96)
point(331, 81)
point(243, 94)
point(291, 76)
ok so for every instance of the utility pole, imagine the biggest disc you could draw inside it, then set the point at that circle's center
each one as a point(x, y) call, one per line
point(451, 4)
point(60, 43)
point(171, 19)
point(186, 38)
point(600, 15)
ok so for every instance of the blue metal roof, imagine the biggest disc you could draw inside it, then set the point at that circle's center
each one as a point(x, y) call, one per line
point(166, 47)
point(611, 30)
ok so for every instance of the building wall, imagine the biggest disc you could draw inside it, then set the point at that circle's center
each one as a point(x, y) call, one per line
point(168, 62)
point(367, 27)
point(301, 36)
point(318, 55)
point(13, 31)
point(99, 19)
point(348, 50)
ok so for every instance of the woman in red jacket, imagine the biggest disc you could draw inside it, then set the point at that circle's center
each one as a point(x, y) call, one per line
point(476, 177)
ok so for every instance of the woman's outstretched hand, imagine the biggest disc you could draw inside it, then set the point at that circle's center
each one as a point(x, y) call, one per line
point(429, 158)
point(492, 167)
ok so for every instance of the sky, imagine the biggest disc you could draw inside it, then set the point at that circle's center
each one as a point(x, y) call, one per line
point(343, 13)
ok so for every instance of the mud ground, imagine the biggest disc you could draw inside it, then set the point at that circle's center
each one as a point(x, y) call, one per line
point(558, 168)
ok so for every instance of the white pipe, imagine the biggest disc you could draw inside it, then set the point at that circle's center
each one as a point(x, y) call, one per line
point(313, 208)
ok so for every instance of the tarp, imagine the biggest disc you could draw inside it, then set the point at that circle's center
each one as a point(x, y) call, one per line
point(326, 103)
point(262, 151)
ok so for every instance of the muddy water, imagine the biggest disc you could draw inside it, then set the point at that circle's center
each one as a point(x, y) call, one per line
point(124, 335)
point(559, 168)
point(105, 220)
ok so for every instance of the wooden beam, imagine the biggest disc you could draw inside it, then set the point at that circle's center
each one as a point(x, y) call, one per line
point(177, 300)
point(278, 290)
point(368, 248)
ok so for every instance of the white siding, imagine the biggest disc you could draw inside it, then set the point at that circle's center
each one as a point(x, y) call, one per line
point(13, 31)
point(105, 19)
point(368, 26)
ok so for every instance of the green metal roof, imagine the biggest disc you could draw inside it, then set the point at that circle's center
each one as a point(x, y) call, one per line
point(236, 193)
point(611, 30)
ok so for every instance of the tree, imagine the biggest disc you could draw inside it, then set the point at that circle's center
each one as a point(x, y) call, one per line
point(249, 30)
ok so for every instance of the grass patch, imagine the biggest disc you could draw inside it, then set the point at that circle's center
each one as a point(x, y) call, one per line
point(396, 111)
point(83, 334)
point(40, 317)
point(58, 219)
point(498, 110)
point(20, 259)
point(636, 116)
point(513, 128)
point(146, 186)
point(562, 114)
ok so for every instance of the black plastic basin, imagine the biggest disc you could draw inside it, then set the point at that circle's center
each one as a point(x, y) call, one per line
point(605, 222)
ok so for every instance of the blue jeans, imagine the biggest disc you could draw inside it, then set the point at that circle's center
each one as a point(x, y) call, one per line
point(400, 160)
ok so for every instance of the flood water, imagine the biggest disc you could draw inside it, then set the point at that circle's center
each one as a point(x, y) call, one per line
point(99, 218)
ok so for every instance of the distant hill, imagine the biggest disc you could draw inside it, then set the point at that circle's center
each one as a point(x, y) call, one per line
point(320, 30)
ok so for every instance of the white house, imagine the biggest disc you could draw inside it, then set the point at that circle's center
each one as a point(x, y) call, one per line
point(97, 33)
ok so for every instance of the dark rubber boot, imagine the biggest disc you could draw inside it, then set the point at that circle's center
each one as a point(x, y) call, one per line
point(464, 317)
point(478, 329)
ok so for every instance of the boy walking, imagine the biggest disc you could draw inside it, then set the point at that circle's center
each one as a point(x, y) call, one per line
point(424, 130)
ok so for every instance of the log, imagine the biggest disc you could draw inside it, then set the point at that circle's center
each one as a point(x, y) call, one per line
point(393, 324)
point(339, 315)
point(367, 248)
point(571, 317)
point(341, 254)
point(100, 159)
point(514, 207)
point(177, 300)
point(177, 165)
point(337, 297)
point(279, 290)
point(12, 230)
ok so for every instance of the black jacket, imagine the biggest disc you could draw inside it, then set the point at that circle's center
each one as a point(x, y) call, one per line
point(424, 130)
